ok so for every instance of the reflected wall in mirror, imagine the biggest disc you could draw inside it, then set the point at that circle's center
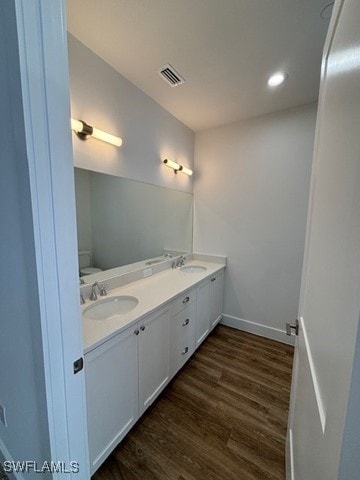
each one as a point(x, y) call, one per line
point(121, 221)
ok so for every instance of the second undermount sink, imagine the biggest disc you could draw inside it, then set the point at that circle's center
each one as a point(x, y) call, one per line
point(110, 307)
point(193, 269)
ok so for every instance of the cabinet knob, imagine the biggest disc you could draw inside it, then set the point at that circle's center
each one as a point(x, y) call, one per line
point(186, 322)
point(136, 331)
point(184, 352)
point(142, 328)
point(186, 299)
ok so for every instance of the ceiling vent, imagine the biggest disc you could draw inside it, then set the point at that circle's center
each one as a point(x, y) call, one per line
point(170, 75)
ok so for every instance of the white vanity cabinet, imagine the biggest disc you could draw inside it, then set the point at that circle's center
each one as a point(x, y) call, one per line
point(202, 311)
point(111, 374)
point(182, 330)
point(126, 373)
point(123, 376)
point(209, 305)
point(153, 354)
point(216, 298)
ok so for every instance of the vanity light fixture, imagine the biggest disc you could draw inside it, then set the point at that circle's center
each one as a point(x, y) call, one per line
point(177, 167)
point(84, 131)
point(186, 170)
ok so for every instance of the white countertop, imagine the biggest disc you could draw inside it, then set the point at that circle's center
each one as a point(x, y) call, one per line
point(151, 292)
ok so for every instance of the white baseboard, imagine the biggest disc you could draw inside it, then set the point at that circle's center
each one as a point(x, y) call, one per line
point(257, 329)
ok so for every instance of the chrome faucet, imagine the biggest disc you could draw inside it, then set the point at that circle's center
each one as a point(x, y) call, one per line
point(102, 290)
point(181, 261)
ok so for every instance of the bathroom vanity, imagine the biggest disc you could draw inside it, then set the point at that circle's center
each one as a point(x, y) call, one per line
point(131, 356)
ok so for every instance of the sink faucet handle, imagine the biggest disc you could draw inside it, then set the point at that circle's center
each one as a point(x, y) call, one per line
point(102, 289)
point(181, 261)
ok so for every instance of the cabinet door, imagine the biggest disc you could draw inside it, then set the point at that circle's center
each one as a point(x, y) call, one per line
point(216, 298)
point(202, 311)
point(182, 336)
point(153, 345)
point(111, 379)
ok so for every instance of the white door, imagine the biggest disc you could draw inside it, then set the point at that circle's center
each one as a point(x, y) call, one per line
point(330, 299)
point(202, 311)
point(154, 364)
point(216, 299)
point(41, 49)
point(111, 409)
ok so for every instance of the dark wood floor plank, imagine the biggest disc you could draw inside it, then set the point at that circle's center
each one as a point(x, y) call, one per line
point(253, 369)
point(223, 417)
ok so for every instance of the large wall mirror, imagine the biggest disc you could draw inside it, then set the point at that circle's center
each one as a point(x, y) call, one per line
point(123, 222)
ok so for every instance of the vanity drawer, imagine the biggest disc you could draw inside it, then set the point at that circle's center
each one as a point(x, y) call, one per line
point(184, 301)
point(178, 358)
point(182, 337)
point(182, 327)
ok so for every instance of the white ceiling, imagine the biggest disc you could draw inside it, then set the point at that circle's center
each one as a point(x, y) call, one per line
point(225, 50)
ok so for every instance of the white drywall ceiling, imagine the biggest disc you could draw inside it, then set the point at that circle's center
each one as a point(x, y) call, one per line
point(225, 50)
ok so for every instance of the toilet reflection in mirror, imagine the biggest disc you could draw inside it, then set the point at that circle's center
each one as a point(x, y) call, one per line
point(85, 264)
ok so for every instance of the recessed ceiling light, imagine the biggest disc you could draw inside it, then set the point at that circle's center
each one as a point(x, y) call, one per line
point(277, 79)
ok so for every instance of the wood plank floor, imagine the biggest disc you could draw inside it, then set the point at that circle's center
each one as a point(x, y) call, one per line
point(223, 417)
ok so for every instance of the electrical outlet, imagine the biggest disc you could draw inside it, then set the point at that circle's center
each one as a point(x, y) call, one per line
point(2, 415)
point(147, 272)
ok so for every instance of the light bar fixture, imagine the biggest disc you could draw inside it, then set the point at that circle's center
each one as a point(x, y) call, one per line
point(84, 131)
point(177, 167)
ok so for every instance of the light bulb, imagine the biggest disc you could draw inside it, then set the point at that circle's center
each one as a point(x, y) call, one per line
point(84, 131)
point(277, 79)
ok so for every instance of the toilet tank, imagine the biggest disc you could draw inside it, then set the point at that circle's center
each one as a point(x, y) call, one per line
point(85, 258)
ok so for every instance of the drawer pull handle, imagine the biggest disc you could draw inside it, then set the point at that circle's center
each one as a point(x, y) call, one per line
point(142, 328)
point(213, 279)
point(184, 352)
point(186, 322)
point(186, 299)
point(136, 331)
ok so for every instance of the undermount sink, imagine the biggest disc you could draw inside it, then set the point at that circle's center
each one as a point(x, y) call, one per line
point(193, 269)
point(110, 307)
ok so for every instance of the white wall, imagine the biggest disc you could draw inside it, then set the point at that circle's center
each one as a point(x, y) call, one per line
point(104, 98)
point(22, 390)
point(83, 209)
point(251, 194)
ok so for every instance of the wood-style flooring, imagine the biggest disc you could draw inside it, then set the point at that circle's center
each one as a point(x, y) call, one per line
point(223, 417)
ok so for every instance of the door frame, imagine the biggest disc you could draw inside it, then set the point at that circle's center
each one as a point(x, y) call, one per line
point(43, 57)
